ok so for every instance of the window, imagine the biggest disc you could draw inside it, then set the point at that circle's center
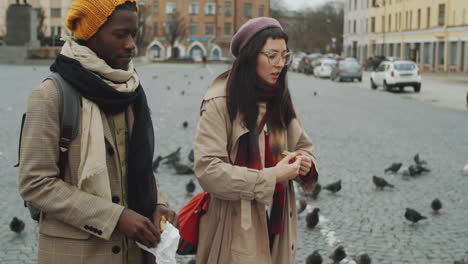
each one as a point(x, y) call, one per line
point(389, 23)
point(55, 31)
point(155, 29)
point(382, 27)
point(155, 7)
point(193, 28)
point(464, 16)
point(248, 10)
point(374, 3)
point(55, 12)
point(428, 18)
point(193, 8)
point(372, 24)
point(209, 29)
point(228, 9)
point(170, 7)
point(354, 26)
point(227, 29)
point(411, 20)
point(406, 20)
point(419, 18)
point(355, 4)
point(261, 10)
point(441, 14)
point(210, 8)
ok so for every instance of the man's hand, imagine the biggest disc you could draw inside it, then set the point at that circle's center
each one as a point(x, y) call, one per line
point(170, 215)
point(138, 228)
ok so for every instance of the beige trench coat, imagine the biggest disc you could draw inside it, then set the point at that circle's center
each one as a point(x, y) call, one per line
point(75, 227)
point(234, 230)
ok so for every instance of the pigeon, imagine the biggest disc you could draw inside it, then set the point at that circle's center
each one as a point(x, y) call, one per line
point(393, 168)
point(413, 216)
point(316, 191)
point(182, 169)
point(380, 182)
point(168, 87)
point(16, 225)
point(201, 77)
point(155, 76)
point(363, 259)
point(333, 187)
point(301, 206)
point(156, 163)
point(416, 170)
point(314, 258)
point(312, 218)
point(191, 156)
point(185, 124)
point(173, 157)
point(185, 75)
point(338, 254)
point(182, 92)
point(315, 93)
point(190, 187)
point(418, 161)
point(436, 205)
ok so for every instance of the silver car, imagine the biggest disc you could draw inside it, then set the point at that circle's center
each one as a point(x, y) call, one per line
point(347, 69)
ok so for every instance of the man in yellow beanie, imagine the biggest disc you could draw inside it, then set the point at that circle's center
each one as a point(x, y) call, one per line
point(105, 197)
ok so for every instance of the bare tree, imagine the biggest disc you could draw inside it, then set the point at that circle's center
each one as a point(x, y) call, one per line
point(312, 29)
point(175, 30)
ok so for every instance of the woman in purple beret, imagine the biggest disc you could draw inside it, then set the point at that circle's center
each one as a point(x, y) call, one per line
point(249, 147)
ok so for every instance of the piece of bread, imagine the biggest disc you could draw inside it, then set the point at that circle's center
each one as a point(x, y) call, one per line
point(162, 224)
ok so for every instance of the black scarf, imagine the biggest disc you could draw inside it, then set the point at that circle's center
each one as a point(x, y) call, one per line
point(141, 185)
point(266, 91)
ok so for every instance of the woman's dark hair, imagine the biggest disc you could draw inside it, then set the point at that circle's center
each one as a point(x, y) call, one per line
point(242, 96)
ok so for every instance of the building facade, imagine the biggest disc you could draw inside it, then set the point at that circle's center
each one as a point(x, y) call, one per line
point(208, 26)
point(433, 33)
point(355, 33)
point(53, 11)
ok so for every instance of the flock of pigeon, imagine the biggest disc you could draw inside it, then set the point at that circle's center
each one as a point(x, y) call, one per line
point(312, 218)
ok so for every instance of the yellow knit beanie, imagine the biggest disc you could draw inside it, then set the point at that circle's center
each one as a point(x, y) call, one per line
point(85, 17)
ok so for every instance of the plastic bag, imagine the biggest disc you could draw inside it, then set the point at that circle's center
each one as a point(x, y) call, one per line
point(166, 249)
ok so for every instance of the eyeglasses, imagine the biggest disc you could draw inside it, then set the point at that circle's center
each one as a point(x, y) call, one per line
point(275, 57)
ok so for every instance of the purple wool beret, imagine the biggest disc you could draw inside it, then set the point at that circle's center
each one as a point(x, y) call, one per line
point(248, 30)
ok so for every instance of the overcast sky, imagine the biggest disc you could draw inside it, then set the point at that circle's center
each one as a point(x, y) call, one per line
point(296, 4)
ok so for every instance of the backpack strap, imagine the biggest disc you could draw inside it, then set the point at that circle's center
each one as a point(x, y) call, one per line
point(70, 110)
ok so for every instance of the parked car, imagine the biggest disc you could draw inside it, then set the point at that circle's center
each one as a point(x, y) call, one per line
point(324, 69)
point(400, 73)
point(296, 60)
point(306, 65)
point(348, 69)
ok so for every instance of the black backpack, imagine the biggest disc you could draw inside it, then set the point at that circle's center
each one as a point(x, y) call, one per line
point(69, 112)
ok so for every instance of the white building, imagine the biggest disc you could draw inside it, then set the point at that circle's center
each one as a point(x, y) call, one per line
point(355, 29)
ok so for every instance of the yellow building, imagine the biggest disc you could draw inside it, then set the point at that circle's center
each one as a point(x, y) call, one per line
point(434, 33)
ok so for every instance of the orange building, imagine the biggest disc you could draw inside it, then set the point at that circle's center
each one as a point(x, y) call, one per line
point(206, 26)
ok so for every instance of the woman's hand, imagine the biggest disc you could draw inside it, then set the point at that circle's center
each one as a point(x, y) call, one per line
point(305, 166)
point(288, 171)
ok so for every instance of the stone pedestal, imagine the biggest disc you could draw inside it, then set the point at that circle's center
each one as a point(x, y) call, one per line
point(21, 25)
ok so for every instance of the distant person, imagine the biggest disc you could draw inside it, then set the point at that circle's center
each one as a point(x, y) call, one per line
point(108, 198)
point(247, 122)
point(204, 60)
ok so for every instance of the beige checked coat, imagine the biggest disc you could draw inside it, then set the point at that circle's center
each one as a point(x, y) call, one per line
point(75, 227)
point(234, 229)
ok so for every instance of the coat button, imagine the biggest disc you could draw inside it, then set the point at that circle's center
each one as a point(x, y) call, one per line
point(115, 199)
point(115, 249)
point(110, 150)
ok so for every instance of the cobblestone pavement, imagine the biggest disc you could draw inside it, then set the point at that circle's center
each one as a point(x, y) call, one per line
point(356, 132)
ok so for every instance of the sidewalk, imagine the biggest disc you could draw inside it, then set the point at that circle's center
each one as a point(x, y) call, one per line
point(442, 89)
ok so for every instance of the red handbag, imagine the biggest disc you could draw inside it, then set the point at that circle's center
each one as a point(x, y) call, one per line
point(189, 222)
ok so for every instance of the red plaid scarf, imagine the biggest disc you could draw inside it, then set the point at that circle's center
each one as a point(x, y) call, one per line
point(248, 155)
